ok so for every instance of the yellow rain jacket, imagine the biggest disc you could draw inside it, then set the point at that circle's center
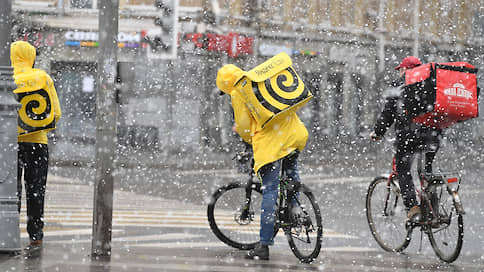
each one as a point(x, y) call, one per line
point(35, 91)
point(270, 141)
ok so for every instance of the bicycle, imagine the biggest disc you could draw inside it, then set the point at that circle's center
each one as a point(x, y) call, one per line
point(234, 212)
point(441, 212)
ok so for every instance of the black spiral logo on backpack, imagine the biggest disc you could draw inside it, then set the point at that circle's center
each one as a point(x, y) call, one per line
point(281, 91)
point(36, 111)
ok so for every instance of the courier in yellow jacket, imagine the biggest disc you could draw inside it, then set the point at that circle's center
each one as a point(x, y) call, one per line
point(265, 101)
point(272, 137)
point(39, 112)
point(35, 91)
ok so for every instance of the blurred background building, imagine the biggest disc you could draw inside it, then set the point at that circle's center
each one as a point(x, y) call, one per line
point(345, 51)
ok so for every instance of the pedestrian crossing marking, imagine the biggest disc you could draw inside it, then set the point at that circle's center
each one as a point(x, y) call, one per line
point(74, 220)
point(182, 240)
point(50, 232)
point(137, 238)
point(58, 220)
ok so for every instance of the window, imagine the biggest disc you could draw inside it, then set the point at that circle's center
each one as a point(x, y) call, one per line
point(82, 4)
point(76, 87)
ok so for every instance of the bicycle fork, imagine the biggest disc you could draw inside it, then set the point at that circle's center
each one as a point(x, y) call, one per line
point(246, 213)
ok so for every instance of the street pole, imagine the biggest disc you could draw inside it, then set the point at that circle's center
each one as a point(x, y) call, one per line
point(381, 36)
point(5, 17)
point(416, 27)
point(105, 129)
point(381, 42)
point(257, 22)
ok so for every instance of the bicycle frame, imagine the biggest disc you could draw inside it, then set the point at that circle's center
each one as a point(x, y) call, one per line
point(301, 223)
point(428, 182)
point(286, 196)
point(251, 185)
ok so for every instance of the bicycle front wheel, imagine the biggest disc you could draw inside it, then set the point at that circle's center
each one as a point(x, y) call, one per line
point(446, 232)
point(386, 215)
point(305, 233)
point(231, 219)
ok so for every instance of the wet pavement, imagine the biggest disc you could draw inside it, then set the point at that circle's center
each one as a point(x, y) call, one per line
point(162, 226)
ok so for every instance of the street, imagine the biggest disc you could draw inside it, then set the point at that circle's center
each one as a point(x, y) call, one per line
point(152, 99)
point(160, 224)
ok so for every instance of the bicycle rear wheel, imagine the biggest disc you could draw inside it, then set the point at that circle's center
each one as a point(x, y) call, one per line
point(386, 215)
point(305, 233)
point(231, 220)
point(446, 232)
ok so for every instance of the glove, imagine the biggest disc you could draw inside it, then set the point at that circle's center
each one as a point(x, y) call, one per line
point(375, 137)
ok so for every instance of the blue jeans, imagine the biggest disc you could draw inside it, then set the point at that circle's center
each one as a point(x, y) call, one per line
point(269, 175)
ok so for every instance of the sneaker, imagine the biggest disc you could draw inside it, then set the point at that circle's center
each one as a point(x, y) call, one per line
point(260, 252)
point(33, 249)
point(414, 213)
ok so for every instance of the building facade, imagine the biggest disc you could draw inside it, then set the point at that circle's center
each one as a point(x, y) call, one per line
point(345, 51)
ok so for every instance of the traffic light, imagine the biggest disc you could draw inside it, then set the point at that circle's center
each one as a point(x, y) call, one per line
point(162, 39)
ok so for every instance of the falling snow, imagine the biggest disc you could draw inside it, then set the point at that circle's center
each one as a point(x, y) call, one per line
point(167, 142)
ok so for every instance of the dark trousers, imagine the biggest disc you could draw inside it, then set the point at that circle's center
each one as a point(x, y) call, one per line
point(33, 161)
point(429, 141)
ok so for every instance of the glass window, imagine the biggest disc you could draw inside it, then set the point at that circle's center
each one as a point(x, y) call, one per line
point(75, 84)
point(81, 4)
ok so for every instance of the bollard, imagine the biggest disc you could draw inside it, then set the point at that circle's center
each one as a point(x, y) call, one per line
point(9, 215)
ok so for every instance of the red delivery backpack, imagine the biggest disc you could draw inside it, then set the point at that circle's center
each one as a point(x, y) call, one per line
point(439, 95)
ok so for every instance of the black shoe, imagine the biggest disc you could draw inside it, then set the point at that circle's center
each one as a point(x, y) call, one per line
point(260, 252)
point(34, 249)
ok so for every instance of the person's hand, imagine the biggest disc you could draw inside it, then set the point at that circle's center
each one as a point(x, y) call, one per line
point(374, 137)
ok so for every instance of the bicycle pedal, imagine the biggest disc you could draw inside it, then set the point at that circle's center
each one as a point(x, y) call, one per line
point(413, 222)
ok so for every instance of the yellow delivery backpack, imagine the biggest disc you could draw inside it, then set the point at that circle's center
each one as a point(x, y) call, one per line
point(272, 89)
point(37, 111)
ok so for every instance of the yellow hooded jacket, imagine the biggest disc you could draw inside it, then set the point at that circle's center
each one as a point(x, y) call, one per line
point(36, 93)
point(271, 142)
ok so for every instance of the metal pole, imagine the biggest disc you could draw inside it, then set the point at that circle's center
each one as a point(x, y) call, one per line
point(105, 128)
point(416, 25)
point(381, 42)
point(381, 36)
point(5, 16)
point(258, 28)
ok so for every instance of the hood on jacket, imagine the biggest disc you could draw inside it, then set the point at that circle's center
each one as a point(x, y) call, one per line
point(227, 76)
point(22, 55)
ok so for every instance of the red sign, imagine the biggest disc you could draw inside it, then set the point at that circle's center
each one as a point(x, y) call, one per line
point(234, 44)
point(38, 39)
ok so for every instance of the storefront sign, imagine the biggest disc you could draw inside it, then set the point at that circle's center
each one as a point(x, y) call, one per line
point(89, 39)
point(234, 44)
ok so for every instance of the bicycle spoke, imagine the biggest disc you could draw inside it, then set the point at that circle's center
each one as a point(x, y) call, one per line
point(386, 215)
point(446, 235)
point(305, 232)
point(230, 219)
